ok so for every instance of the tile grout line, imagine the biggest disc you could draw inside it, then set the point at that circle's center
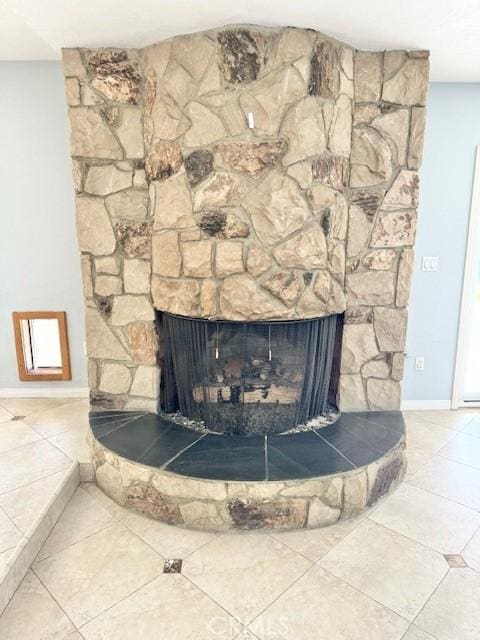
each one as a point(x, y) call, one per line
point(50, 594)
point(177, 455)
point(335, 449)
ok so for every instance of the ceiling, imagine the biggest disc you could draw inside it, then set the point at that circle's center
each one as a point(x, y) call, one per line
point(37, 30)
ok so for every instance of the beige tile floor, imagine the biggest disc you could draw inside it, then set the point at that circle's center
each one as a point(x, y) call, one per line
point(383, 576)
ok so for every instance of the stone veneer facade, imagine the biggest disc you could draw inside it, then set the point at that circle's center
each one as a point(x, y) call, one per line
point(182, 207)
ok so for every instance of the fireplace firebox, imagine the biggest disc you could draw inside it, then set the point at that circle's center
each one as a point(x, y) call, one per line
point(249, 378)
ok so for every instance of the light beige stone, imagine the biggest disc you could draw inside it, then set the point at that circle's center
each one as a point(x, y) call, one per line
point(220, 190)
point(403, 194)
point(136, 276)
point(277, 208)
point(365, 113)
point(140, 179)
point(130, 132)
point(72, 92)
point(108, 285)
point(392, 61)
point(379, 260)
point(268, 98)
point(370, 288)
point(251, 157)
point(128, 205)
point(90, 136)
point(359, 229)
point(197, 258)
point(115, 378)
point(383, 395)
point(304, 128)
point(145, 382)
point(258, 260)
point(359, 346)
point(321, 515)
point(390, 328)
point(86, 266)
point(168, 119)
point(235, 227)
point(95, 233)
point(173, 206)
point(351, 393)
point(355, 492)
point(340, 132)
point(201, 515)
point(101, 341)
point(166, 255)
point(228, 258)
point(302, 173)
point(306, 250)
point(417, 129)
point(333, 204)
point(289, 45)
point(394, 125)
point(371, 158)
point(143, 342)
point(375, 369)
point(409, 85)
point(405, 272)
point(72, 64)
point(234, 118)
point(336, 261)
point(397, 366)
point(108, 264)
point(77, 175)
point(176, 296)
point(158, 55)
point(194, 54)
point(284, 285)
point(178, 83)
point(89, 96)
point(206, 127)
point(208, 298)
point(394, 229)
point(240, 299)
point(107, 178)
point(128, 308)
point(368, 76)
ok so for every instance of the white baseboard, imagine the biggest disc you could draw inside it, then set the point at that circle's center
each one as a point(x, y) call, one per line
point(426, 405)
point(45, 392)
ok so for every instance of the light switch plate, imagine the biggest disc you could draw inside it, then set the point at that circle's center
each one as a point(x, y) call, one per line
point(430, 263)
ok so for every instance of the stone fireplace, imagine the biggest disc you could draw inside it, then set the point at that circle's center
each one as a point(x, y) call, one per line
point(246, 200)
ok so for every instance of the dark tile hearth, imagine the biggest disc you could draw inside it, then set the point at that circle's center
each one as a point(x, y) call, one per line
point(355, 440)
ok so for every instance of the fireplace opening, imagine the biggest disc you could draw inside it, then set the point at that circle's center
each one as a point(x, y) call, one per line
point(250, 378)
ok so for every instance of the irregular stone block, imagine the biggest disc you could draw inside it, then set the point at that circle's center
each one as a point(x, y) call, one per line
point(368, 76)
point(336, 261)
point(370, 288)
point(101, 341)
point(251, 157)
point(417, 129)
point(220, 190)
point(108, 285)
point(334, 208)
point(289, 45)
point(332, 170)
point(228, 258)
point(206, 127)
point(324, 70)
point(90, 136)
point(394, 125)
point(115, 378)
point(131, 204)
point(127, 308)
point(130, 132)
point(258, 260)
point(208, 298)
point(409, 85)
point(284, 285)
point(390, 328)
point(351, 393)
point(169, 121)
point(143, 342)
point(134, 237)
point(202, 515)
point(355, 494)
point(375, 369)
point(306, 250)
point(114, 75)
point(321, 515)
point(95, 233)
point(235, 227)
point(272, 514)
point(240, 299)
point(178, 486)
point(72, 92)
point(106, 178)
point(397, 366)
point(194, 53)
point(173, 206)
point(371, 158)
point(387, 476)
point(403, 194)
point(394, 229)
point(146, 382)
point(359, 229)
point(304, 128)
point(380, 260)
point(178, 83)
point(368, 201)
point(163, 161)
point(359, 346)
point(197, 258)
point(277, 208)
point(405, 272)
point(241, 58)
point(340, 130)
point(86, 267)
point(198, 165)
point(358, 315)
point(136, 276)
point(72, 64)
point(166, 256)
point(143, 497)
point(176, 296)
point(383, 395)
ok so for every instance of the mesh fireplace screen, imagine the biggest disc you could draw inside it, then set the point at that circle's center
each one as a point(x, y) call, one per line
point(247, 377)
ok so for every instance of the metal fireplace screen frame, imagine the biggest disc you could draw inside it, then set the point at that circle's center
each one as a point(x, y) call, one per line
point(247, 377)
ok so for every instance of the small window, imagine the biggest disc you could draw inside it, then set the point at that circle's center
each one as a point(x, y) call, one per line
point(41, 342)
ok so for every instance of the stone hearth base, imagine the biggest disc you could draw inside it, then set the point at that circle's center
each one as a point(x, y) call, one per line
point(301, 501)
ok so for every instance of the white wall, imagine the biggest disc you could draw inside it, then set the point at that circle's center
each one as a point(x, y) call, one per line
point(39, 263)
point(452, 133)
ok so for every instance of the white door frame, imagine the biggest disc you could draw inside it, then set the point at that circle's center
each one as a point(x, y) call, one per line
point(469, 278)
